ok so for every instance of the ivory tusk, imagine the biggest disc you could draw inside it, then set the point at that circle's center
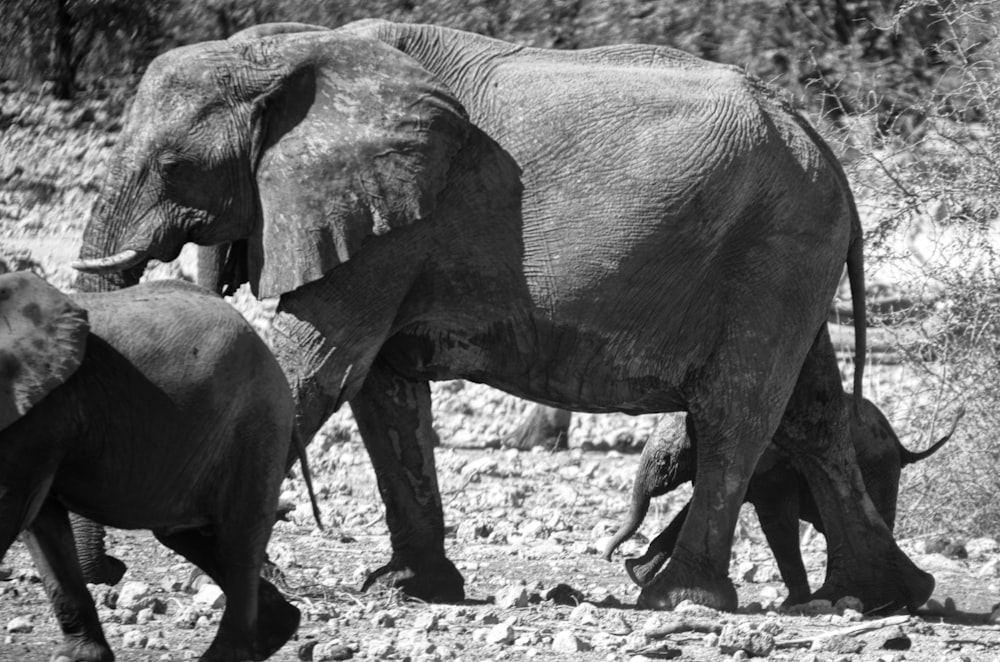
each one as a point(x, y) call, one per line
point(118, 262)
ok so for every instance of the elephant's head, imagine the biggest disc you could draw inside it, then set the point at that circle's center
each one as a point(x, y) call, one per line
point(296, 147)
point(41, 343)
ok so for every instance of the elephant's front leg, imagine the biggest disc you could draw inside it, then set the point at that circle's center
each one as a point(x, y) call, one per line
point(50, 541)
point(394, 416)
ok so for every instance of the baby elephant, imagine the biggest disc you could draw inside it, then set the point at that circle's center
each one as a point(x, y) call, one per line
point(166, 412)
point(777, 491)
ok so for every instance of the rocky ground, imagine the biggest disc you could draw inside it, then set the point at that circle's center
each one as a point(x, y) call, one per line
point(524, 528)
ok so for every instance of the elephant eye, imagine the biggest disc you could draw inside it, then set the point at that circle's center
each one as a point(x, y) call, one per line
point(169, 162)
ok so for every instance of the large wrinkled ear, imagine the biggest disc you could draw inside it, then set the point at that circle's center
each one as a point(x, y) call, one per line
point(353, 140)
point(42, 339)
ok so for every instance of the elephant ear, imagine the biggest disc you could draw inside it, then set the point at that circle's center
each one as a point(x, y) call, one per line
point(42, 339)
point(354, 140)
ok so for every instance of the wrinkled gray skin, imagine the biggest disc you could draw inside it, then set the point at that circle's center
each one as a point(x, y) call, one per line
point(179, 420)
point(99, 567)
point(779, 494)
point(618, 229)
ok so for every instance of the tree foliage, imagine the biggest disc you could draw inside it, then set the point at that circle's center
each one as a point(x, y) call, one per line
point(827, 52)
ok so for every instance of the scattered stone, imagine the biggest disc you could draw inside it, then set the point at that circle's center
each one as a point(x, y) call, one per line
point(813, 608)
point(978, 547)
point(134, 595)
point(144, 616)
point(472, 528)
point(20, 625)
point(694, 610)
point(742, 638)
point(895, 639)
point(659, 651)
point(383, 619)
point(747, 571)
point(157, 642)
point(329, 651)
point(566, 641)
point(605, 641)
point(484, 466)
point(426, 621)
point(617, 625)
point(584, 614)
point(210, 596)
point(839, 643)
point(512, 597)
point(501, 633)
point(488, 617)
point(534, 529)
point(849, 602)
point(134, 639)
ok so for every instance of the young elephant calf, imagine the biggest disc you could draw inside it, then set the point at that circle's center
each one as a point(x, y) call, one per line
point(165, 412)
point(777, 491)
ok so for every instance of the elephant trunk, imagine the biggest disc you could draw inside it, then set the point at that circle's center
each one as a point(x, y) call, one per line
point(104, 266)
point(907, 456)
point(97, 566)
point(666, 463)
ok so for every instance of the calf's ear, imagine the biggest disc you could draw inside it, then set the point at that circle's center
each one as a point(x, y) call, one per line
point(42, 339)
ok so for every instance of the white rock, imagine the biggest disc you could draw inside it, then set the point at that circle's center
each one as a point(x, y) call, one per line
point(134, 595)
point(512, 597)
point(211, 596)
point(383, 619)
point(567, 642)
point(982, 546)
point(584, 613)
point(20, 624)
point(134, 639)
point(747, 571)
point(501, 633)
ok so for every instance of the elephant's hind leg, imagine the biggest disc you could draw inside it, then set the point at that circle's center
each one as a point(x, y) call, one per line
point(257, 620)
point(50, 542)
point(395, 422)
point(863, 559)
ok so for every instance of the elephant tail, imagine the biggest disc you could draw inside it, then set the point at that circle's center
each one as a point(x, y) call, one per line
point(907, 456)
point(856, 276)
point(300, 450)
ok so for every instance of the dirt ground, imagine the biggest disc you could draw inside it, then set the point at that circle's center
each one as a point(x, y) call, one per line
point(524, 528)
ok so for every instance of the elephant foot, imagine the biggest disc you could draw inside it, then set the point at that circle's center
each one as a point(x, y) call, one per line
point(891, 583)
point(545, 427)
point(673, 586)
point(431, 579)
point(796, 596)
point(109, 570)
point(278, 620)
point(83, 651)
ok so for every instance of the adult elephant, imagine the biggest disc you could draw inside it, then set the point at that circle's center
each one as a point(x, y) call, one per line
point(618, 229)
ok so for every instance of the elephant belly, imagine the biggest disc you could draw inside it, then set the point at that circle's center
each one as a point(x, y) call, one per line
point(568, 368)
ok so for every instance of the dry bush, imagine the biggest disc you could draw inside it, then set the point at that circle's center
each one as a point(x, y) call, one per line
point(927, 179)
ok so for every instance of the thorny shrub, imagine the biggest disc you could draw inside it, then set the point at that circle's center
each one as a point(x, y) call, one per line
point(928, 187)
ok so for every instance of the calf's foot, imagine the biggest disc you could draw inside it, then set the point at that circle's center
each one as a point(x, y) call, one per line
point(278, 620)
point(677, 584)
